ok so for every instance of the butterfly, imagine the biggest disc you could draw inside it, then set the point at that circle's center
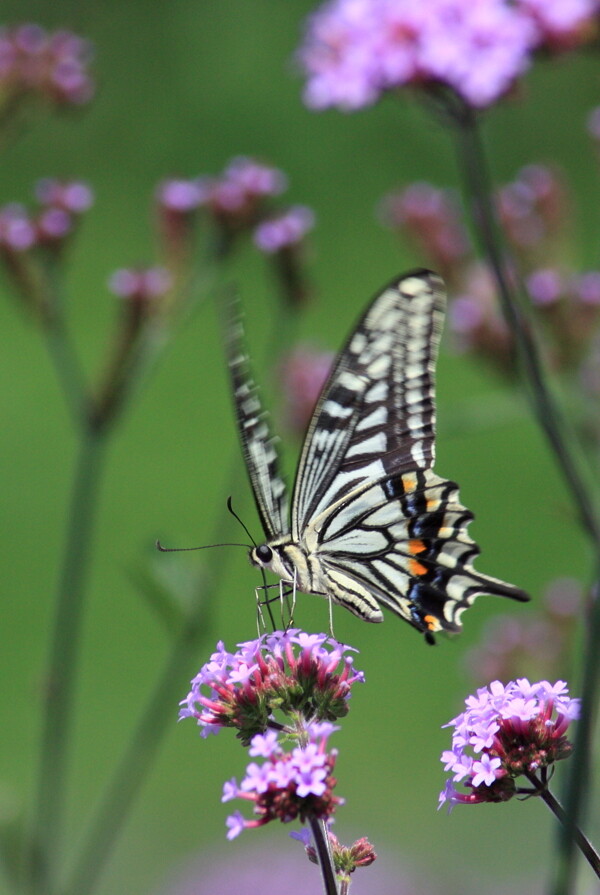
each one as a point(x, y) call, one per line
point(371, 525)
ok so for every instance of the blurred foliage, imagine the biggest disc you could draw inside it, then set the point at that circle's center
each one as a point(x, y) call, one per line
point(182, 88)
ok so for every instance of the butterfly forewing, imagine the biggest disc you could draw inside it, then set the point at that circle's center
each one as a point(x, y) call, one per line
point(259, 445)
point(376, 414)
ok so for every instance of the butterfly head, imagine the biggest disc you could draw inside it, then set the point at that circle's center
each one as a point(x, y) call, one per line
point(261, 556)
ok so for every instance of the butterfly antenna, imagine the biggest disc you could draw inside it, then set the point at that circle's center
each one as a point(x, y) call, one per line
point(162, 549)
point(235, 516)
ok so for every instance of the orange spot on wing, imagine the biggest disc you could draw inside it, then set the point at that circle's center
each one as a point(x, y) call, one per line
point(409, 482)
point(417, 568)
point(431, 622)
point(432, 504)
point(416, 546)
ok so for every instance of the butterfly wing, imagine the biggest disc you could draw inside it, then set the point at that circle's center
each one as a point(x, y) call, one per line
point(387, 530)
point(259, 445)
point(376, 413)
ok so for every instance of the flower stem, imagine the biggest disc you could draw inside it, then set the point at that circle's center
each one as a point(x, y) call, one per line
point(64, 649)
point(477, 186)
point(572, 830)
point(323, 849)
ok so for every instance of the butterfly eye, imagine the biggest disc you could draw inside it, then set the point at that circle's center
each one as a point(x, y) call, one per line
point(264, 553)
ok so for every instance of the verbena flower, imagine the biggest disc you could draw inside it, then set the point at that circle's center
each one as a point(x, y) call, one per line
point(355, 50)
point(504, 733)
point(287, 673)
point(54, 65)
point(289, 784)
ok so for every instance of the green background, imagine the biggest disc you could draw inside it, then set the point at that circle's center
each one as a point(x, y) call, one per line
point(182, 87)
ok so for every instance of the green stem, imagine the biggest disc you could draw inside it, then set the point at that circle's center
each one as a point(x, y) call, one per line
point(477, 183)
point(64, 654)
point(324, 855)
point(571, 830)
point(138, 757)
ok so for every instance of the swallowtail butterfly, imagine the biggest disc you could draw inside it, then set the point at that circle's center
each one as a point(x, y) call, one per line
point(371, 523)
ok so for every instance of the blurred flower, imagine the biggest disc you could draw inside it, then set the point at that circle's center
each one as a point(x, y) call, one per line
point(562, 24)
point(504, 733)
point(284, 672)
point(236, 198)
point(431, 219)
point(302, 376)
point(17, 231)
point(285, 230)
point(476, 321)
point(177, 201)
point(140, 284)
point(270, 869)
point(297, 783)
point(72, 196)
point(539, 644)
point(534, 211)
point(54, 65)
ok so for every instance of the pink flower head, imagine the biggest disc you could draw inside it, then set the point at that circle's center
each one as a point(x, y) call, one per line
point(289, 784)
point(505, 732)
point(277, 674)
point(355, 50)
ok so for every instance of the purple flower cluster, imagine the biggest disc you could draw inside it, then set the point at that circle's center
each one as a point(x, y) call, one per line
point(238, 199)
point(504, 733)
point(284, 673)
point(291, 784)
point(355, 50)
point(534, 210)
point(288, 683)
point(61, 203)
point(53, 65)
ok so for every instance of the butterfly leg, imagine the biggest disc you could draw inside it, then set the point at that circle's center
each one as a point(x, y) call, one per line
point(263, 600)
point(287, 589)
